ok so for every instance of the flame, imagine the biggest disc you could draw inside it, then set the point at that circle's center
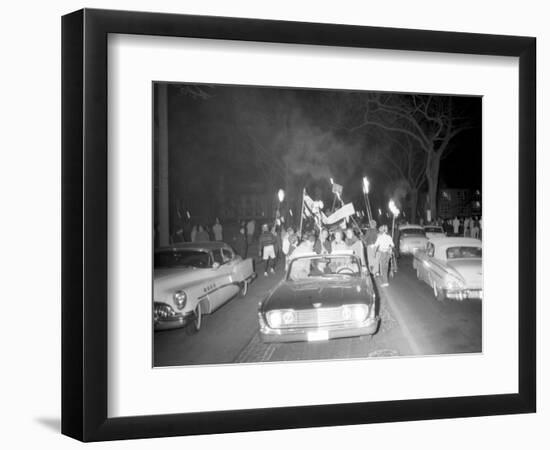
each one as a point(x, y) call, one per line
point(393, 208)
point(365, 185)
point(281, 195)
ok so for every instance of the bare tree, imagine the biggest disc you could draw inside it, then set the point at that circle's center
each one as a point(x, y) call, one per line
point(428, 122)
point(405, 165)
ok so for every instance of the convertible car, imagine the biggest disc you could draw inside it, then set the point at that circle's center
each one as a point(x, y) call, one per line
point(193, 279)
point(321, 297)
point(411, 238)
point(451, 267)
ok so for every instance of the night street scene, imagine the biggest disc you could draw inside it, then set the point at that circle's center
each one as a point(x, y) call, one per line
point(295, 224)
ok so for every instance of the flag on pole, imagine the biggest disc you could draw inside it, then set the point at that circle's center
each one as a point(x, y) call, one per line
point(344, 212)
point(337, 189)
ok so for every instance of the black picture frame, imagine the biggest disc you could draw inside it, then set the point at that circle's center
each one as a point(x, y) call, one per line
point(84, 224)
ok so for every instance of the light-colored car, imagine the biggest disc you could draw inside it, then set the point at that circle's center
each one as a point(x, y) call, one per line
point(411, 238)
point(193, 279)
point(452, 267)
point(434, 231)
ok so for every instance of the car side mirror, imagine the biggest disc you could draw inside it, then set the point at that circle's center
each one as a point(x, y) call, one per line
point(216, 265)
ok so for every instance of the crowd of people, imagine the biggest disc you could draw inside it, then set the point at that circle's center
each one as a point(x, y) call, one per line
point(469, 226)
point(277, 245)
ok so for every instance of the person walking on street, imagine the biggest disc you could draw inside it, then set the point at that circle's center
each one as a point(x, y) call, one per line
point(250, 228)
point(202, 234)
point(475, 228)
point(456, 226)
point(370, 240)
point(384, 246)
point(217, 229)
point(241, 243)
point(467, 221)
point(275, 231)
point(267, 245)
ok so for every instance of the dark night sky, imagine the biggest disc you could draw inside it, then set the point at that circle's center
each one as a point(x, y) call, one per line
point(227, 134)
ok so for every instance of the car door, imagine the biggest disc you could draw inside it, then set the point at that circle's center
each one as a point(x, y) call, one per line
point(428, 267)
point(437, 267)
point(224, 288)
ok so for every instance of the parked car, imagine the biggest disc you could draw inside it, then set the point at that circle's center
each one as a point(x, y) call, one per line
point(434, 231)
point(321, 297)
point(411, 238)
point(452, 267)
point(193, 279)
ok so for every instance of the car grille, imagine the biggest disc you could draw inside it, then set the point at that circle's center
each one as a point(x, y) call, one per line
point(318, 316)
point(321, 317)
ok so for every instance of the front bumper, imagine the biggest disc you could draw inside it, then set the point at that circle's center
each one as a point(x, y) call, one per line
point(177, 320)
point(368, 327)
point(464, 294)
point(409, 249)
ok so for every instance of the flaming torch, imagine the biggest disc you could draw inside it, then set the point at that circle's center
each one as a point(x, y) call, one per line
point(366, 197)
point(281, 197)
point(395, 213)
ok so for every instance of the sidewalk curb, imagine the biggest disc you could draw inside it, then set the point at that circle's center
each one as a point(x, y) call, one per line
point(383, 295)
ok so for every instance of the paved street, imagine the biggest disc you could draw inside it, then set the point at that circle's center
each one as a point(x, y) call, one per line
point(412, 323)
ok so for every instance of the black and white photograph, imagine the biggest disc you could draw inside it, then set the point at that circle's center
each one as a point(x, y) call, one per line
point(296, 224)
point(271, 225)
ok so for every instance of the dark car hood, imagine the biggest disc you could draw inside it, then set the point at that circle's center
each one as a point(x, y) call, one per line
point(330, 293)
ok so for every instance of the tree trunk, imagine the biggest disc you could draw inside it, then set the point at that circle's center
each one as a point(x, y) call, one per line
point(163, 173)
point(413, 204)
point(432, 176)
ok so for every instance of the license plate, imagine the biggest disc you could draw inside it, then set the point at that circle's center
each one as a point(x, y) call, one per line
point(321, 335)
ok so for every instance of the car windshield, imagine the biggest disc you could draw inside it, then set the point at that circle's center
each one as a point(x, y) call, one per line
point(328, 266)
point(463, 252)
point(433, 230)
point(182, 258)
point(416, 232)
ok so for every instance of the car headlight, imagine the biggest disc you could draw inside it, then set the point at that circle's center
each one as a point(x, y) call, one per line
point(180, 299)
point(274, 318)
point(360, 313)
point(289, 317)
point(346, 313)
point(357, 313)
point(453, 283)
